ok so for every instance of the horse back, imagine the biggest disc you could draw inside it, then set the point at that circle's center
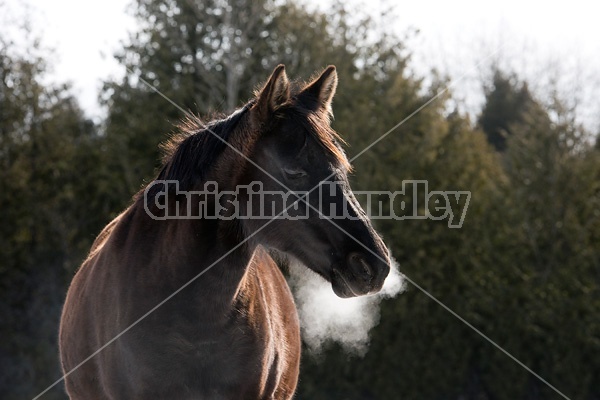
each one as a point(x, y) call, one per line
point(76, 336)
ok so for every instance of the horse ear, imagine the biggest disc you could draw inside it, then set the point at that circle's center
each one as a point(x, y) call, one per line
point(323, 88)
point(275, 92)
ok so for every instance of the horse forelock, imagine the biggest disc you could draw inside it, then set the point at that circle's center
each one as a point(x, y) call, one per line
point(318, 125)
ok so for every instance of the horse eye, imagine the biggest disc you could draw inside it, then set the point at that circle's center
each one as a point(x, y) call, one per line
point(294, 173)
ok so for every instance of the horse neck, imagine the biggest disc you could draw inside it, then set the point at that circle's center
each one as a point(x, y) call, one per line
point(212, 253)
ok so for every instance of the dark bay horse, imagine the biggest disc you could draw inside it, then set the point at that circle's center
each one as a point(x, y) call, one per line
point(232, 332)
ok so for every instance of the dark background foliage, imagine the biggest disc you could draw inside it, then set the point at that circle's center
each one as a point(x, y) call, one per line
point(524, 268)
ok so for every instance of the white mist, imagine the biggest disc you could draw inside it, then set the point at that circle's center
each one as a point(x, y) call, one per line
point(325, 317)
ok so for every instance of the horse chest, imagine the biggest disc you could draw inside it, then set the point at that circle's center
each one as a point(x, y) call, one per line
point(235, 360)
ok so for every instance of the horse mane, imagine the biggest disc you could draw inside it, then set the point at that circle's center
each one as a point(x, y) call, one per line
point(189, 154)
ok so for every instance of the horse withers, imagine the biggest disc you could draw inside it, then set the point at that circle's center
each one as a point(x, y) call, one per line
point(196, 308)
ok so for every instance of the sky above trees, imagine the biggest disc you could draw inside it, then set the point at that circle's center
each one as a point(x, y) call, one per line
point(556, 39)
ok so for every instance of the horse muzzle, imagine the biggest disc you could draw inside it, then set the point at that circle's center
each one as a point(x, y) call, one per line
point(360, 275)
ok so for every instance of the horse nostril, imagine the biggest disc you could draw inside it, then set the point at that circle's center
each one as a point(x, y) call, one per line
point(360, 265)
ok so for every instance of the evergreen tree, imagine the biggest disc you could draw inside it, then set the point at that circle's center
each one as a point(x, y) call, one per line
point(505, 104)
point(50, 196)
point(553, 172)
